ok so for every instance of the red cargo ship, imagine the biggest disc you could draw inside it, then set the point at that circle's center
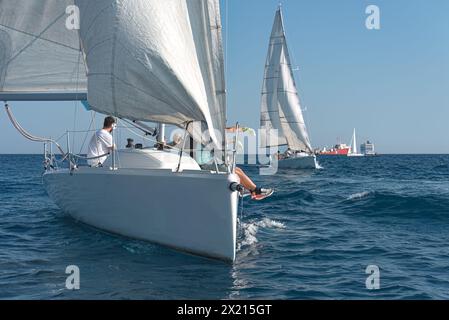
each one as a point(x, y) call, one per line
point(338, 150)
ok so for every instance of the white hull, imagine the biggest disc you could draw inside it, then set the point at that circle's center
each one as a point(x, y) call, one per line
point(193, 211)
point(355, 155)
point(299, 162)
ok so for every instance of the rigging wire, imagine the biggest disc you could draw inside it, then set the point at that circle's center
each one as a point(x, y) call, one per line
point(92, 120)
point(75, 115)
point(226, 39)
point(76, 103)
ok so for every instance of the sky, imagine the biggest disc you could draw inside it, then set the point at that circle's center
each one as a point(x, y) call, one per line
point(391, 84)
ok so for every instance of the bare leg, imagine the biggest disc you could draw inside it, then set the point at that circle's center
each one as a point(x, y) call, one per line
point(246, 182)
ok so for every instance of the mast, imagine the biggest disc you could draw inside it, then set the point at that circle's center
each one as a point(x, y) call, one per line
point(161, 133)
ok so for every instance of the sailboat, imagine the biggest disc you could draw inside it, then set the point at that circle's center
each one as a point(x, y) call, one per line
point(141, 60)
point(281, 107)
point(354, 152)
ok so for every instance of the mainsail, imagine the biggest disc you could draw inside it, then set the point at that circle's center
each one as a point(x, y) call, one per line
point(40, 59)
point(148, 60)
point(281, 109)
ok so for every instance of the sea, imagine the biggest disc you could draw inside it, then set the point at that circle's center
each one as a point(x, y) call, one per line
point(359, 228)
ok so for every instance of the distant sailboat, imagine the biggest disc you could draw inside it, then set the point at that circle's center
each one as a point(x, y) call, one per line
point(281, 108)
point(354, 152)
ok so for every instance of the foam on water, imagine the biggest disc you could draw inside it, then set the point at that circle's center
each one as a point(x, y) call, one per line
point(359, 195)
point(250, 229)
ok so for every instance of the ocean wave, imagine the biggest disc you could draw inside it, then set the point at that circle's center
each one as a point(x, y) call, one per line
point(250, 229)
point(312, 240)
point(299, 196)
point(389, 204)
point(359, 195)
point(441, 167)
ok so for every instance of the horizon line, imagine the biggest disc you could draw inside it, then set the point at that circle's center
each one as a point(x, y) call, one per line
point(251, 154)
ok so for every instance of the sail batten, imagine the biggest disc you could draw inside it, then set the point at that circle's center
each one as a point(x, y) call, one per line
point(281, 108)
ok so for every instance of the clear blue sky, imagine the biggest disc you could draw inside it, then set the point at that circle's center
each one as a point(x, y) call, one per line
point(391, 84)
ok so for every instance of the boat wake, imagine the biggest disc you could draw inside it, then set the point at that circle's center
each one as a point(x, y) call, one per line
point(249, 231)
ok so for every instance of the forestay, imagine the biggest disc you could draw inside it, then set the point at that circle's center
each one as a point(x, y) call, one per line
point(281, 109)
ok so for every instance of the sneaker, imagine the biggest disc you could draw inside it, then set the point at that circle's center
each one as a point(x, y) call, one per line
point(262, 194)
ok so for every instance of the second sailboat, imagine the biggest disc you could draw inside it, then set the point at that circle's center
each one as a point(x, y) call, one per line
point(281, 107)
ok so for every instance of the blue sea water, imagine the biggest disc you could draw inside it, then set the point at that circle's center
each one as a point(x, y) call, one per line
point(312, 240)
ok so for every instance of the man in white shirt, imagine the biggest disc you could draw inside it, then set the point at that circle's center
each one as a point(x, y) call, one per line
point(101, 143)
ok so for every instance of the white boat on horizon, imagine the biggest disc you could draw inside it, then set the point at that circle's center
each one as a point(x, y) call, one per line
point(145, 60)
point(281, 106)
point(353, 148)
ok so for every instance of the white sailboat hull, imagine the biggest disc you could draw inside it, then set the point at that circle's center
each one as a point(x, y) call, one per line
point(299, 162)
point(192, 211)
point(355, 155)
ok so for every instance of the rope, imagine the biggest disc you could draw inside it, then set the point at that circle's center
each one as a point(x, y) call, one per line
point(181, 152)
point(75, 103)
point(240, 215)
point(89, 158)
point(28, 135)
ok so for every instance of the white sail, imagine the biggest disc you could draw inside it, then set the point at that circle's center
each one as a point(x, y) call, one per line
point(147, 60)
point(354, 143)
point(40, 59)
point(155, 60)
point(281, 109)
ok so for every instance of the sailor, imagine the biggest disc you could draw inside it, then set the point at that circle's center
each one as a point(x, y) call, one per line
point(101, 143)
point(278, 155)
point(177, 141)
point(257, 193)
point(288, 153)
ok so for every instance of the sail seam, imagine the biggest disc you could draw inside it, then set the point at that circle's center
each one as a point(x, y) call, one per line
point(37, 37)
point(96, 17)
